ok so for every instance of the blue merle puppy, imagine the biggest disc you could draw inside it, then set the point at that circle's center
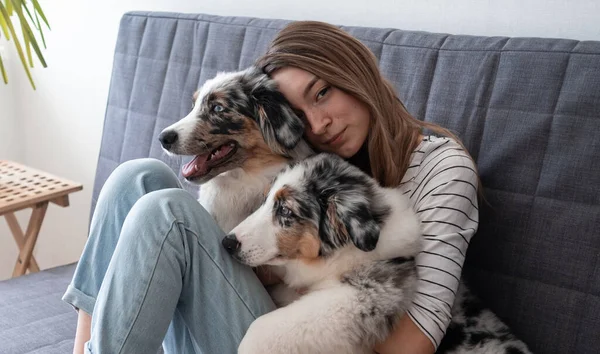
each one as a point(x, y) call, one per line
point(348, 242)
point(351, 244)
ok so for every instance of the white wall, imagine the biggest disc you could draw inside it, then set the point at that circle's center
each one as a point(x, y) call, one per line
point(11, 149)
point(62, 121)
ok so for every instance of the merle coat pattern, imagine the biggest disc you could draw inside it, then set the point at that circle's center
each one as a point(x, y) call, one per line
point(241, 132)
point(350, 245)
point(348, 242)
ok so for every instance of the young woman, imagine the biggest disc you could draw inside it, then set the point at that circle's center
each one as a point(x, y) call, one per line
point(154, 269)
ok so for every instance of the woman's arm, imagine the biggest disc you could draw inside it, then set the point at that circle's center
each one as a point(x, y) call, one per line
point(444, 196)
point(406, 339)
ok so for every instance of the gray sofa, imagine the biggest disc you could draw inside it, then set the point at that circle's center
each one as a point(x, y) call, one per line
point(528, 110)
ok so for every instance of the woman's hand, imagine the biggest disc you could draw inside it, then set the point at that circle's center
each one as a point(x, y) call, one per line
point(407, 338)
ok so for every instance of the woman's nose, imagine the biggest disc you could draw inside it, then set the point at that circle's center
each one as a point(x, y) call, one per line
point(319, 122)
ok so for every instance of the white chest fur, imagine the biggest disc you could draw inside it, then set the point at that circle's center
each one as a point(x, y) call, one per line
point(234, 195)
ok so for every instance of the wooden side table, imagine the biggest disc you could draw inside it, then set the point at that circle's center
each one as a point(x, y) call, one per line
point(23, 187)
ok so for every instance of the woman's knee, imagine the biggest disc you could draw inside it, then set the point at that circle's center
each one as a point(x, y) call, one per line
point(173, 205)
point(142, 175)
point(177, 200)
point(149, 168)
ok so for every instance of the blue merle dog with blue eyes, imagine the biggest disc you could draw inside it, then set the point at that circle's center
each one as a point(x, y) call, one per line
point(240, 133)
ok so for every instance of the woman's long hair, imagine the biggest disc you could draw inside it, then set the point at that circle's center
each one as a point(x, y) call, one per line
point(344, 62)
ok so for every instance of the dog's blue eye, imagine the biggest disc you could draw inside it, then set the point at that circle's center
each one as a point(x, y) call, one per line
point(218, 108)
point(285, 211)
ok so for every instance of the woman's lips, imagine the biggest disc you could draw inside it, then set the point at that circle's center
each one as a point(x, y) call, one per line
point(336, 139)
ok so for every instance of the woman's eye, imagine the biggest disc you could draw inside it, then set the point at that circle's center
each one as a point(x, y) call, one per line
point(285, 211)
point(322, 93)
point(218, 108)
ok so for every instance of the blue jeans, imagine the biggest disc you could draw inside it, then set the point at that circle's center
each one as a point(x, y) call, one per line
point(154, 271)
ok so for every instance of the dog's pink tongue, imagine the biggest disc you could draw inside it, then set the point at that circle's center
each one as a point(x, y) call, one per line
point(196, 167)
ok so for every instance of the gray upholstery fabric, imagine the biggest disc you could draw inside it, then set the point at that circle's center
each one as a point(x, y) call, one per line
point(526, 108)
point(33, 318)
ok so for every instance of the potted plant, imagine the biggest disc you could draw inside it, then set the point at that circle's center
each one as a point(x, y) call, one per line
point(29, 18)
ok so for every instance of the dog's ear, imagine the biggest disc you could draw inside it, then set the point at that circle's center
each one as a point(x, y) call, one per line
point(347, 216)
point(281, 127)
point(350, 218)
point(352, 208)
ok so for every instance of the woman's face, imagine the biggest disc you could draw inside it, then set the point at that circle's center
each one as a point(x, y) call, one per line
point(335, 121)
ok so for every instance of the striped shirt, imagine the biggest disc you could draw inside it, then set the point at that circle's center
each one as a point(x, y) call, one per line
point(441, 183)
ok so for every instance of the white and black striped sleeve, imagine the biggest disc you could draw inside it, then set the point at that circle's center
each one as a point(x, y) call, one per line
point(444, 195)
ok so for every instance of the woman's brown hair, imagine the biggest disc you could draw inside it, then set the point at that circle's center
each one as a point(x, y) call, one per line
point(343, 61)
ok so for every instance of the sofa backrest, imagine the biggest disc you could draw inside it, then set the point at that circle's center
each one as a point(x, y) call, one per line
point(527, 109)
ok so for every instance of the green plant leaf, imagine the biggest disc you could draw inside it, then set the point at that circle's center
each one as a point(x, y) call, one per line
point(27, 32)
point(4, 12)
point(9, 8)
point(27, 46)
point(38, 9)
point(29, 40)
point(36, 48)
point(39, 27)
point(4, 77)
point(24, 5)
point(25, 35)
point(4, 26)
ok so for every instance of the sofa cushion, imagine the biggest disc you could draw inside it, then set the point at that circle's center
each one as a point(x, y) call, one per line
point(33, 318)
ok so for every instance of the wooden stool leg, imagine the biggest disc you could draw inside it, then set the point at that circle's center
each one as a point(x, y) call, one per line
point(33, 229)
point(13, 224)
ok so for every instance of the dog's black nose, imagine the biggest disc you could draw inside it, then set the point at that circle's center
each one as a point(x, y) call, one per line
point(168, 138)
point(231, 243)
